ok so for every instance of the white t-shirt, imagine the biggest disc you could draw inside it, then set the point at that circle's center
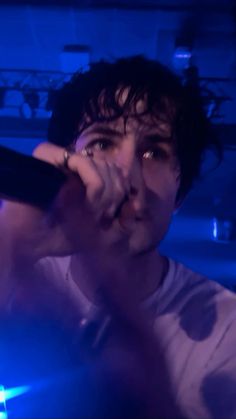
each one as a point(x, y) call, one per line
point(194, 319)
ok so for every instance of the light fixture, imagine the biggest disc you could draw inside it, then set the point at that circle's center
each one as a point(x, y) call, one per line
point(182, 58)
point(223, 230)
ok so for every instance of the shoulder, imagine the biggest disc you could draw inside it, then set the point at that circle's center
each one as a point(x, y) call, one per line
point(200, 307)
point(197, 327)
point(185, 287)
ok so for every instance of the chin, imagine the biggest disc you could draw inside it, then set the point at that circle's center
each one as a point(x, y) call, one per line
point(137, 248)
point(142, 242)
point(140, 237)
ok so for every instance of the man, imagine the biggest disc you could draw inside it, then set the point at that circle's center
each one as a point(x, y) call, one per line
point(131, 140)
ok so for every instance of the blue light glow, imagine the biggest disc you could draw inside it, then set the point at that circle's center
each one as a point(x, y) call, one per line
point(2, 395)
point(3, 409)
point(215, 232)
point(15, 392)
point(7, 394)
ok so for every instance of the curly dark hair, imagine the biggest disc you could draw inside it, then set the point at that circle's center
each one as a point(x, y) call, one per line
point(164, 93)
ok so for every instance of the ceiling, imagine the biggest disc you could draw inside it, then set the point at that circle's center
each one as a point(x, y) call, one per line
point(34, 33)
point(216, 5)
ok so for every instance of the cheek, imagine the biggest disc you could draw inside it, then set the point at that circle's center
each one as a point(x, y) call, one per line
point(163, 186)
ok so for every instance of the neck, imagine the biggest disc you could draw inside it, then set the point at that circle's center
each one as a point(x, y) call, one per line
point(142, 273)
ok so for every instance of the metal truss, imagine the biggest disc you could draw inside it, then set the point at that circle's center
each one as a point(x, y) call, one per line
point(32, 79)
point(36, 87)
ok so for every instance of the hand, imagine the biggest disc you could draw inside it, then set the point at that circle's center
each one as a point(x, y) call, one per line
point(77, 213)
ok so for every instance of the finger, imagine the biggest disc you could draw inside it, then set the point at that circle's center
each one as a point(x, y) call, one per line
point(105, 184)
point(124, 180)
point(106, 198)
point(114, 188)
point(120, 189)
point(90, 174)
point(50, 153)
point(78, 164)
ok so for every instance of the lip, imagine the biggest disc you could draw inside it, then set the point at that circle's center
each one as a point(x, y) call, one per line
point(126, 218)
point(123, 223)
point(129, 223)
point(128, 210)
point(125, 226)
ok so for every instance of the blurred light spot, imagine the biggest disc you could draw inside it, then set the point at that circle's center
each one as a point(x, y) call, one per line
point(15, 391)
point(3, 409)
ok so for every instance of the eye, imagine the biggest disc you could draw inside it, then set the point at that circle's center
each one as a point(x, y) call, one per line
point(100, 145)
point(148, 154)
point(156, 153)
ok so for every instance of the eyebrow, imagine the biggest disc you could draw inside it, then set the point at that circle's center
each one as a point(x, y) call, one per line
point(108, 131)
point(157, 138)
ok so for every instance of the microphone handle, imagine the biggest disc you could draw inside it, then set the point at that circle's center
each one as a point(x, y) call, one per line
point(28, 179)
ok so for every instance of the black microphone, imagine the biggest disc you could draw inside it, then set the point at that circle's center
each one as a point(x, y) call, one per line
point(28, 179)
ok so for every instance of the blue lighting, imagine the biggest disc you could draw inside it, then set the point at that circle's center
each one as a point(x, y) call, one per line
point(2, 395)
point(14, 392)
point(181, 58)
point(3, 409)
point(7, 394)
point(215, 231)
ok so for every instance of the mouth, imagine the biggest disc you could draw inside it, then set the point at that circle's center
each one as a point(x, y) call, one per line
point(126, 217)
point(128, 211)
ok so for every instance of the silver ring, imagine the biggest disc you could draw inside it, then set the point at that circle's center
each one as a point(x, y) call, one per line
point(86, 152)
point(66, 156)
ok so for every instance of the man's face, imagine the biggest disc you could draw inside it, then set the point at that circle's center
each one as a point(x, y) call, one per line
point(144, 151)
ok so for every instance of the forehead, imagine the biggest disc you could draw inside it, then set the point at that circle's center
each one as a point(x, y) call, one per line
point(128, 111)
point(124, 126)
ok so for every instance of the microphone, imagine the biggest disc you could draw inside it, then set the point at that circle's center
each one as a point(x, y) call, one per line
point(28, 179)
